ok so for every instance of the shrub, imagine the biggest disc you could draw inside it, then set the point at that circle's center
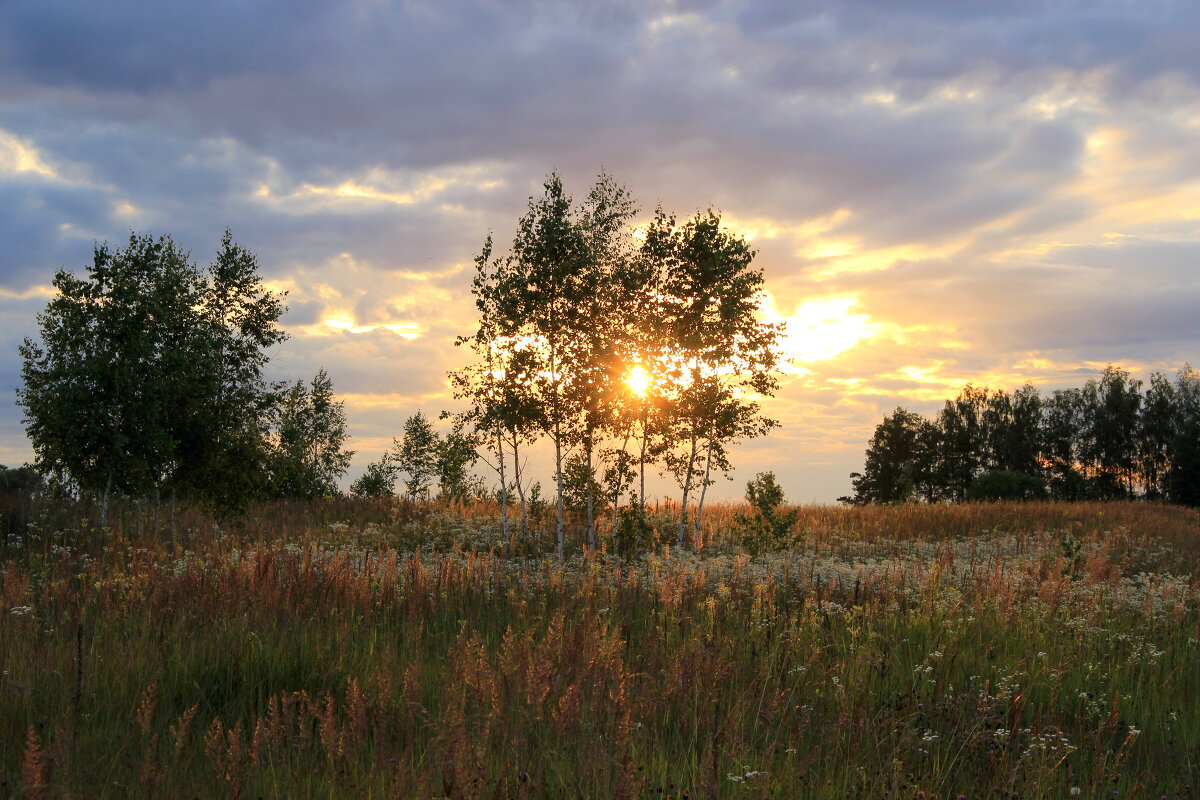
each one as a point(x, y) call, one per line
point(1003, 484)
point(768, 526)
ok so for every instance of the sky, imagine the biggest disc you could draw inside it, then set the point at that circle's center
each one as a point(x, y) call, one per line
point(938, 191)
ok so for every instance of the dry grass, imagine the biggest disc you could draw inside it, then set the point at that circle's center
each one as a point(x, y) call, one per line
point(383, 650)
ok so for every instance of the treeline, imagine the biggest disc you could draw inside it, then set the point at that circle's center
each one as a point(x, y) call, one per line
point(621, 349)
point(1106, 440)
point(148, 382)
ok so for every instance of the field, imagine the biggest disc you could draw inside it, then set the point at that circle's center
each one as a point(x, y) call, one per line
point(396, 650)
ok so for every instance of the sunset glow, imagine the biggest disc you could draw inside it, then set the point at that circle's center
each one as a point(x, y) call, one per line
point(821, 328)
point(638, 380)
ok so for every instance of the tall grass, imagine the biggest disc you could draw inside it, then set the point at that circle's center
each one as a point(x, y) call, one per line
point(384, 650)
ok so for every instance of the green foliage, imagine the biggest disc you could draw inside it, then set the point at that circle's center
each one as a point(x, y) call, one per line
point(416, 455)
point(455, 456)
point(576, 304)
point(378, 481)
point(769, 526)
point(148, 374)
point(1003, 484)
point(634, 533)
point(426, 457)
point(891, 461)
point(722, 350)
point(20, 480)
point(309, 431)
point(1104, 441)
point(579, 483)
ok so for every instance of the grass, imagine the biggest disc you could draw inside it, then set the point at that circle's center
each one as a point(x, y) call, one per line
point(397, 650)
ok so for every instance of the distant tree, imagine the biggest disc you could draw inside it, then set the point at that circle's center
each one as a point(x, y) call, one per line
point(379, 480)
point(456, 455)
point(148, 374)
point(1105, 440)
point(1063, 421)
point(416, 455)
point(887, 475)
point(20, 480)
point(1012, 430)
point(1183, 478)
point(963, 440)
point(308, 437)
point(1156, 433)
point(1003, 484)
point(1109, 445)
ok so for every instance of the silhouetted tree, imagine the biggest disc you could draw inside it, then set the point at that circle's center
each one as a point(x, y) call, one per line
point(1183, 478)
point(379, 479)
point(1156, 434)
point(1105, 440)
point(887, 475)
point(1110, 434)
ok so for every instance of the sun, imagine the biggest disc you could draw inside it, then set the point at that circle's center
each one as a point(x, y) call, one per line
point(638, 380)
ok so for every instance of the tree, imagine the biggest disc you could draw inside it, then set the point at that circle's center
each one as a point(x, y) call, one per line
point(222, 436)
point(20, 480)
point(548, 320)
point(963, 440)
point(148, 374)
point(1156, 433)
point(1112, 406)
point(1062, 426)
point(455, 456)
point(1106, 440)
point(1183, 479)
point(724, 352)
point(887, 475)
point(378, 481)
point(309, 432)
point(1004, 484)
point(1011, 430)
point(416, 455)
point(769, 525)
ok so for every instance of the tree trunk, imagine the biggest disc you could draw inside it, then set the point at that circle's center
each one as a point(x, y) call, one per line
point(704, 488)
point(558, 498)
point(687, 489)
point(556, 405)
point(104, 499)
point(503, 489)
point(520, 487)
point(642, 463)
point(591, 516)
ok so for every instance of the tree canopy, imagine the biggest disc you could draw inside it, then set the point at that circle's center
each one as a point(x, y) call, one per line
point(148, 376)
point(1105, 440)
point(597, 337)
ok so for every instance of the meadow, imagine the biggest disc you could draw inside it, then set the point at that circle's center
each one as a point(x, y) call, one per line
point(391, 649)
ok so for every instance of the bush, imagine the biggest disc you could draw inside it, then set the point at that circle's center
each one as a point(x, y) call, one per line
point(768, 526)
point(1003, 484)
